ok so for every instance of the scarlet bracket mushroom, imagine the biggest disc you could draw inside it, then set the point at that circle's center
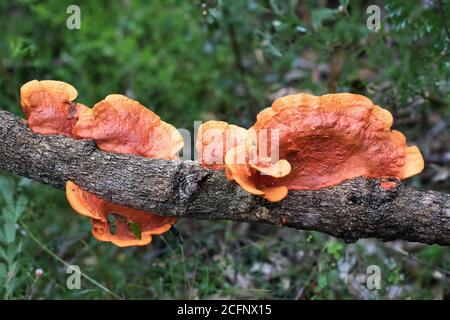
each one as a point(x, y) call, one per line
point(101, 212)
point(224, 146)
point(117, 124)
point(122, 125)
point(49, 106)
point(326, 140)
point(214, 139)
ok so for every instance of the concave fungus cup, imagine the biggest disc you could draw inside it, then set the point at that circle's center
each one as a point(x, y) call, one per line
point(326, 140)
point(117, 124)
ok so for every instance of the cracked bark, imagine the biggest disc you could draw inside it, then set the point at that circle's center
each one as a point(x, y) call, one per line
point(358, 208)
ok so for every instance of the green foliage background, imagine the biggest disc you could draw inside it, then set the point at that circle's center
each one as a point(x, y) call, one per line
point(200, 60)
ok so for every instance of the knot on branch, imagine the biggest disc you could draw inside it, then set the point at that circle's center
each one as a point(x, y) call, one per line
point(188, 181)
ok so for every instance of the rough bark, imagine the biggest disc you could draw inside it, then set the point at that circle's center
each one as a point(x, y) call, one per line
point(358, 208)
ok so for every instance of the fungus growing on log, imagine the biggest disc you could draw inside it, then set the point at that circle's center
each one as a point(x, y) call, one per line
point(335, 137)
point(119, 232)
point(117, 124)
point(325, 140)
point(224, 146)
point(122, 125)
point(215, 138)
point(49, 106)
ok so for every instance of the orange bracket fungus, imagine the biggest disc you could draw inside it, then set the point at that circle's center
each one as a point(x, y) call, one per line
point(323, 141)
point(302, 142)
point(101, 211)
point(224, 146)
point(117, 124)
point(215, 138)
point(49, 107)
point(122, 125)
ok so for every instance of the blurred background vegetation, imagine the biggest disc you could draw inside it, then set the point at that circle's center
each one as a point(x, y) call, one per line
point(226, 60)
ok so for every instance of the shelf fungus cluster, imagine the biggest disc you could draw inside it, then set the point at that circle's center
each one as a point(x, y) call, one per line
point(302, 142)
point(117, 124)
point(306, 142)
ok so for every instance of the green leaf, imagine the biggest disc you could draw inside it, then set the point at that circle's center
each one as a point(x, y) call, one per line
point(10, 231)
point(319, 16)
point(2, 270)
point(112, 223)
point(11, 286)
point(21, 204)
point(344, 3)
point(274, 50)
point(322, 282)
point(275, 7)
point(7, 189)
point(13, 250)
point(9, 212)
point(136, 230)
point(334, 249)
point(3, 254)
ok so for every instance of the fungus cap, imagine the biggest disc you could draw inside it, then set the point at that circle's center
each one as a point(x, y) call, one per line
point(329, 139)
point(215, 138)
point(322, 141)
point(99, 210)
point(224, 146)
point(248, 175)
point(49, 106)
point(120, 124)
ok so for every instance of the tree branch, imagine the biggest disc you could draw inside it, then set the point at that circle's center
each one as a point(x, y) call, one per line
point(358, 208)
